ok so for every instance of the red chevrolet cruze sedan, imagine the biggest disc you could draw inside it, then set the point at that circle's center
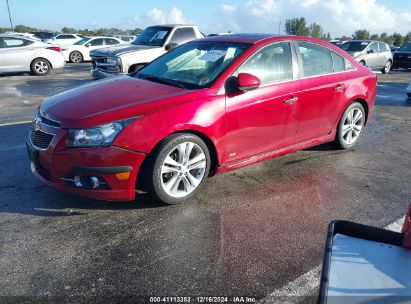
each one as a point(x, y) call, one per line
point(208, 106)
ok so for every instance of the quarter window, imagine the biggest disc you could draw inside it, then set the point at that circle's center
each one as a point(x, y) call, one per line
point(316, 59)
point(271, 64)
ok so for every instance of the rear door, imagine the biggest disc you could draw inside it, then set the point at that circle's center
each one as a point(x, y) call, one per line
point(322, 90)
point(384, 52)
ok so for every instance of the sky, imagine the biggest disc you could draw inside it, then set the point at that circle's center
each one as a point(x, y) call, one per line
point(340, 17)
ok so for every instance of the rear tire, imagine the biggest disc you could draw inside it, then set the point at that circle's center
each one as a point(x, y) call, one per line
point(177, 168)
point(387, 67)
point(350, 126)
point(76, 57)
point(40, 67)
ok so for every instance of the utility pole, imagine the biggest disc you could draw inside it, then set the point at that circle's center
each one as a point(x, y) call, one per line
point(8, 8)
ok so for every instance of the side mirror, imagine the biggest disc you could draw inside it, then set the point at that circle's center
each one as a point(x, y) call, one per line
point(248, 82)
point(171, 46)
point(370, 52)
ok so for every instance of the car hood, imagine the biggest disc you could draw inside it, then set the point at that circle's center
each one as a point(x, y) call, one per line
point(109, 100)
point(119, 50)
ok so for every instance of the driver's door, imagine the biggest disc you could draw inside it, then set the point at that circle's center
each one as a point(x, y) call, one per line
point(264, 119)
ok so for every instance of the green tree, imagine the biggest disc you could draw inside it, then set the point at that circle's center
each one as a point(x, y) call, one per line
point(384, 37)
point(375, 37)
point(316, 30)
point(297, 26)
point(24, 29)
point(361, 35)
point(407, 37)
point(398, 39)
point(68, 30)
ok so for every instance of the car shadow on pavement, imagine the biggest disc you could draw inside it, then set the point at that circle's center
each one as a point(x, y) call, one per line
point(44, 202)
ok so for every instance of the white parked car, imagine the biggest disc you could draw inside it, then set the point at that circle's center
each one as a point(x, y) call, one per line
point(409, 90)
point(20, 54)
point(80, 51)
point(64, 39)
point(153, 42)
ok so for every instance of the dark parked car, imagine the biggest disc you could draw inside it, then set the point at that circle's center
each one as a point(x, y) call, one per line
point(42, 35)
point(209, 106)
point(402, 57)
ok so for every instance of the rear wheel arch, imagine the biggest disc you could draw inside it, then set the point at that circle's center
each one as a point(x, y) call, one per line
point(364, 105)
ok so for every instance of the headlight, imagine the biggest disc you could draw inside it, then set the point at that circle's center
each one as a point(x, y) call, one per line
point(409, 57)
point(111, 60)
point(100, 136)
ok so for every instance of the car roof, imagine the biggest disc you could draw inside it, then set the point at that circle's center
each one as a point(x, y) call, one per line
point(172, 25)
point(257, 38)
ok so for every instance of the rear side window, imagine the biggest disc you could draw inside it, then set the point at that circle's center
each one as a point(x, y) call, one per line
point(316, 59)
point(183, 35)
point(271, 64)
point(110, 41)
point(15, 42)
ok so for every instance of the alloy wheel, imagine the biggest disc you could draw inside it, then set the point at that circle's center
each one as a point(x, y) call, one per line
point(41, 67)
point(183, 169)
point(75, 57)
point(352, 126)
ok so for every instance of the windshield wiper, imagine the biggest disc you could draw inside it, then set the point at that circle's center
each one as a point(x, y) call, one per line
point(162, 80)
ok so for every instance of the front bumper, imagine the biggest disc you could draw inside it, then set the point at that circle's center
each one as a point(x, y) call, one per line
point(401, 63)
point(97, 73)
point(56, 168)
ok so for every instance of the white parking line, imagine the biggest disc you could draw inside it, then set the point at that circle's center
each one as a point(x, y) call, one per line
point(307, 284)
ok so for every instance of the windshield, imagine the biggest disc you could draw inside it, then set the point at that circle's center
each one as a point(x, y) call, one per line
point(405, 47)
point(354, 46)
point(82, 41)
point(193, 65)
point(153, 36)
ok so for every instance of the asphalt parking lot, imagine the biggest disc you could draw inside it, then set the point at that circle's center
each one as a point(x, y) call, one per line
point(248, 233)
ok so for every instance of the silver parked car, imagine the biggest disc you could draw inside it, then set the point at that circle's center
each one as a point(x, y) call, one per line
point(21, 54)
point(375, 54)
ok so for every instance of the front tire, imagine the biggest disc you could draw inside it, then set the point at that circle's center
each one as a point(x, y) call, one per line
point(40, 67)
point(350, 126)
point(178, 168)
point(387, 67)
point(76, 57)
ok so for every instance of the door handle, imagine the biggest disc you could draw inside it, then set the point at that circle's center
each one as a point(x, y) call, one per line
point(291, 100)
point(339, 88)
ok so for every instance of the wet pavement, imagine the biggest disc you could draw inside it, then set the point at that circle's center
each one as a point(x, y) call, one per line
point(248, 233)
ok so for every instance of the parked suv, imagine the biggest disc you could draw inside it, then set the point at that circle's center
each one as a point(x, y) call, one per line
point(153, 42)
point(374, 54)
point(402, 57)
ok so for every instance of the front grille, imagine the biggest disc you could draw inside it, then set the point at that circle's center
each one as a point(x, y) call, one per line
point(40, 139)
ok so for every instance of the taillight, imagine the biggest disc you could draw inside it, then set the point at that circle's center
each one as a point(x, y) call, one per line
point(54, 48)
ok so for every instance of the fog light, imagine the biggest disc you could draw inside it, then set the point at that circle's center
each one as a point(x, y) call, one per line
point(78, 181)
point(95, 183)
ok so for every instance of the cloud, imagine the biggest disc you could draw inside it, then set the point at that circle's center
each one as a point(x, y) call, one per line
point(157, 16)
point(340, 17)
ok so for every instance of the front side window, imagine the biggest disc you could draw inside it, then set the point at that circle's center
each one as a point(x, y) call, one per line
point(96, 42)
point(15, 42)
point(183, 35)
point(193, 65)
point(316, 59)
point(271, 64)
point(373, 47)
point(82, 41)
point(153, 36)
